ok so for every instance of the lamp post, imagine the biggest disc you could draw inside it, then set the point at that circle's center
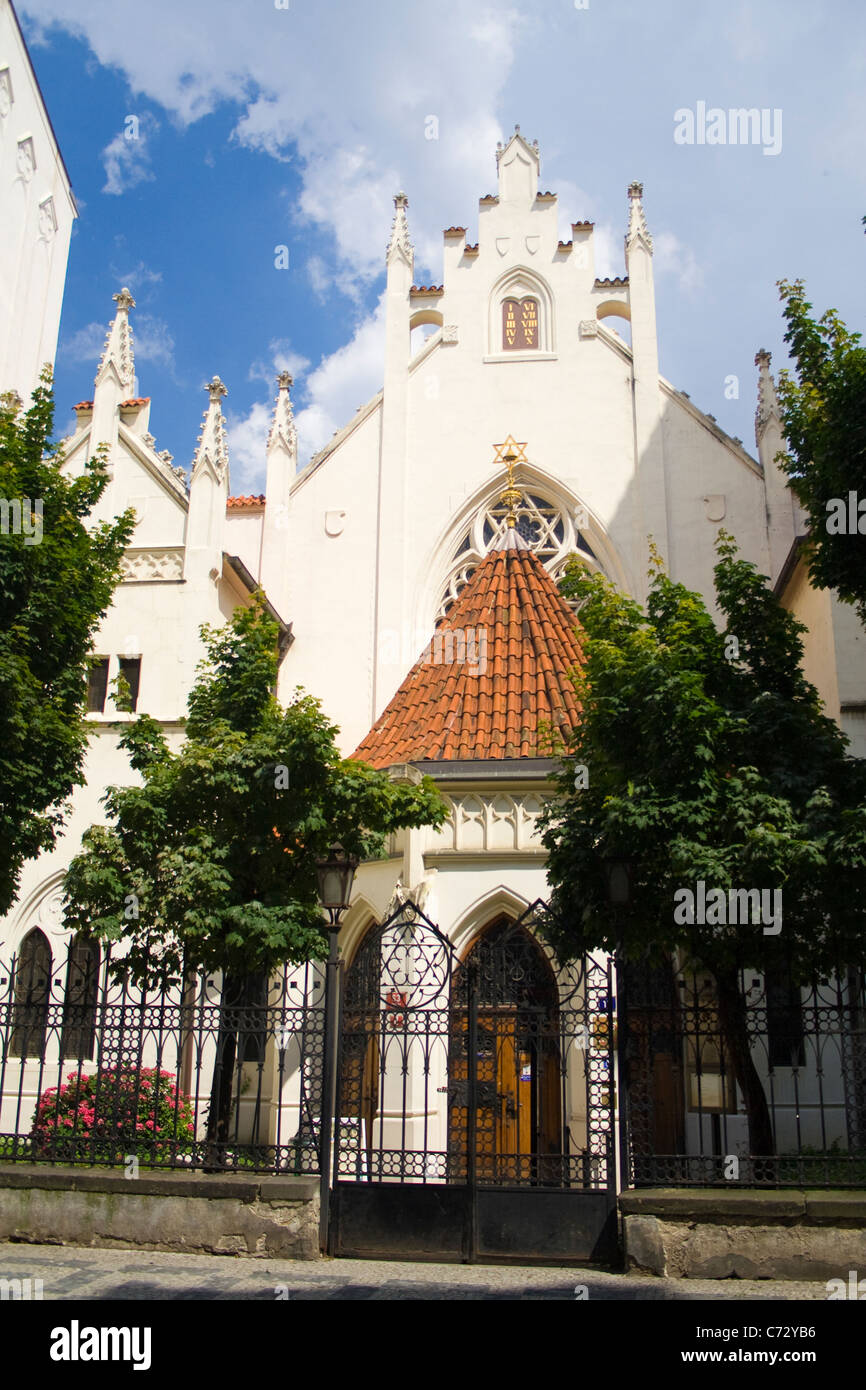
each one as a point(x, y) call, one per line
point(619, 876)
point(335, 873)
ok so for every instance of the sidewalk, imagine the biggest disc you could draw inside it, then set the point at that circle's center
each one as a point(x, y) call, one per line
point(69, 1272)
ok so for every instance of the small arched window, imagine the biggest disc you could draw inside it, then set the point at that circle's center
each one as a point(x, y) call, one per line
point(79, 1005)
point(519, 324)
point(32, 996)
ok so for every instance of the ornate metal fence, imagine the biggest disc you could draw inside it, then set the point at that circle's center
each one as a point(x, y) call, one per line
point(688, 1123)
point(216, 1075)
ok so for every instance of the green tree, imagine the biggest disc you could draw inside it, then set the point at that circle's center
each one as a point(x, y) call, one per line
point(210, 862)
point(57, 577)
point(707, 757)
point(824, 419)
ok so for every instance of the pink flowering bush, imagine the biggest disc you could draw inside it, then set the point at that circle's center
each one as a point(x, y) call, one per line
point(104, 1117)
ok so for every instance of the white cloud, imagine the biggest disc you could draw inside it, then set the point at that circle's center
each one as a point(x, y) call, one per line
point(152, 341)
point(325, 400)
point(329, 91)
point(127, 156)
point(341, 383)
point(282, 359)
point(671, 257)
point(137, 277)
point(247, 436)
point(86, 343)
point(319, 278)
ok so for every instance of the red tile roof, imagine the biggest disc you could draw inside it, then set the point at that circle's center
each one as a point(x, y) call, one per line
point(135, 401)
point(83, 405)
point(255, 501)
point(494, 672)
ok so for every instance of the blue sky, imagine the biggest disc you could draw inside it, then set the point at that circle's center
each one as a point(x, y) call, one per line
point(261, 126)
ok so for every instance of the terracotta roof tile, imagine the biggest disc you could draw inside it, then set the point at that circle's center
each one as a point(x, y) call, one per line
point(257, 501)
point(496, 669)
point(134, 401)
point(83, 405)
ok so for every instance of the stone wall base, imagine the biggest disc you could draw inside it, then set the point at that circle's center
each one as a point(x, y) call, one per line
point(711, 1234)
point(190, 1212)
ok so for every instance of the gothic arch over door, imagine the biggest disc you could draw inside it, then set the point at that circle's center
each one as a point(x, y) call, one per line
point(518, 1112)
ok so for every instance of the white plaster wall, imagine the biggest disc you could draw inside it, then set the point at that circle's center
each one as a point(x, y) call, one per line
point(244, 538)
point(572, 406)
point(33, 258)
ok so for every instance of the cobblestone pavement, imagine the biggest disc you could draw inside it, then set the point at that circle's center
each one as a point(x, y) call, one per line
point(69, 1272)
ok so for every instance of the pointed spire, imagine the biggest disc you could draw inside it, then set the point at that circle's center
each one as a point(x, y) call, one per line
point(768, 401)
point(637, 227)
point(212, 450)
point(400, 245)
point(118, 352)
point(283, 432)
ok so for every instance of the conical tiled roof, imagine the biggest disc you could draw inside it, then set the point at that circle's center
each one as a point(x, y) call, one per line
point(496, 669)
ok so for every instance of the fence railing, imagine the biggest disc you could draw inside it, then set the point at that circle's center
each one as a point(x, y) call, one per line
point(228, 1075)
point(688, 1121)
point(212, 1075)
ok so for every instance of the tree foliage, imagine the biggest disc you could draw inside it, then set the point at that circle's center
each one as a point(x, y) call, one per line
point(708, 757)
point(824, 420)
point(57, 576)
point(210, 862)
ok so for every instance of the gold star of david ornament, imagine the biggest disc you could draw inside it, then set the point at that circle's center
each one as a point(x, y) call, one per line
point(510, 453)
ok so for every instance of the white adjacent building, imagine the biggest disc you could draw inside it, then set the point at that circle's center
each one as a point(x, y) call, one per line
point(38, 209)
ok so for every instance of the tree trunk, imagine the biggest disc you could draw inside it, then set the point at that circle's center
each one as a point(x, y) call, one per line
point(222, 1082)
point(734, 1028)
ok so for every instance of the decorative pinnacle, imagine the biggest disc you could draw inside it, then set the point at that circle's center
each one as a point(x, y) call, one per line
point(637, 227)
point(118, 343)
point(400, 229)
point(212, 448)
point(768, 401)
point(282, 429)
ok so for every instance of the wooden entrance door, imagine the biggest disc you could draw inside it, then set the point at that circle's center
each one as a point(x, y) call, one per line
point(516, 1081)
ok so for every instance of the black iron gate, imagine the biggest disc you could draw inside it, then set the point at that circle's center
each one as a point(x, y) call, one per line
point(475, 1098)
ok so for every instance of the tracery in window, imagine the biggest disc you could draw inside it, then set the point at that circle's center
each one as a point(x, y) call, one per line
point(545, 525)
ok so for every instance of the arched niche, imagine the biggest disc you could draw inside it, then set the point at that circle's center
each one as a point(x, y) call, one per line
point(520, 285)
point(618, 314)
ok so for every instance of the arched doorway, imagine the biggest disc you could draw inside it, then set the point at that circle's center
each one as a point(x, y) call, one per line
point(475, 1100)
point(515, 1123)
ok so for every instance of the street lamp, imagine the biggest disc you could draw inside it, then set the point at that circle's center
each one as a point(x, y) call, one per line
point(335, 873)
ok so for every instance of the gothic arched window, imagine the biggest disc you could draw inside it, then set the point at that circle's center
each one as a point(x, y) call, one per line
point(32, 996)
point(545, 525)
point(79, 1005)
